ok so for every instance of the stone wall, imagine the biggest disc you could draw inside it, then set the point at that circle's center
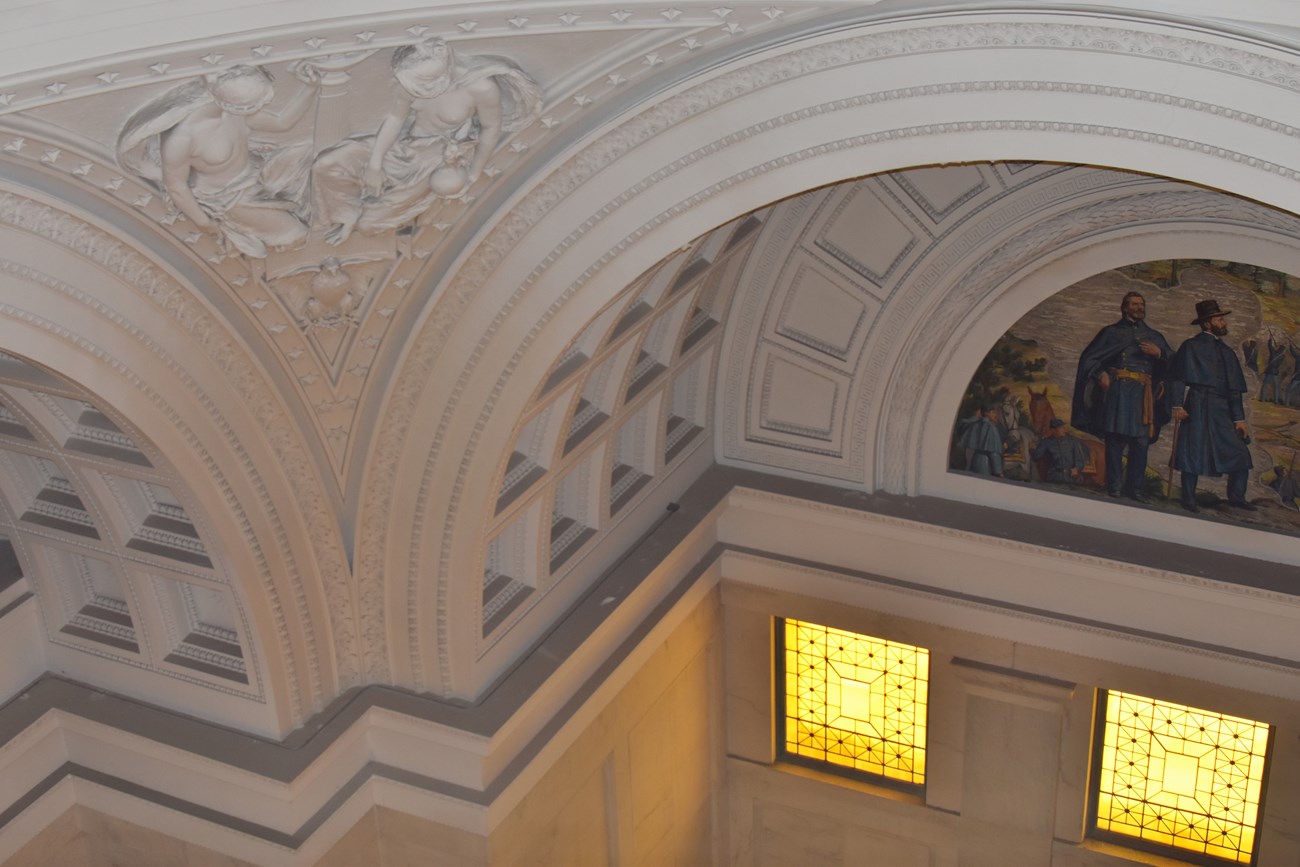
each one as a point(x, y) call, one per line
point(1008, 758)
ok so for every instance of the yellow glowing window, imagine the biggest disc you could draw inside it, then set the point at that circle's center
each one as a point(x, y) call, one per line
point(1174, 776)
point(854, 701)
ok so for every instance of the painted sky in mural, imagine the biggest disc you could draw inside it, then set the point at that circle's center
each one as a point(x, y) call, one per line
point(1164, 405)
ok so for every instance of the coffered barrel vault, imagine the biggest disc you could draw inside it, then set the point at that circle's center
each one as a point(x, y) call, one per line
point(381, 468)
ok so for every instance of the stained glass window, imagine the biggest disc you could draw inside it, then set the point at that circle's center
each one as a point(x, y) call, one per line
point(854, 701)
point(1179, 777)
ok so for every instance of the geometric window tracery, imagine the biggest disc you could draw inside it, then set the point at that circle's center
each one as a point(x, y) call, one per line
point(854, 701)
point(1181, 778)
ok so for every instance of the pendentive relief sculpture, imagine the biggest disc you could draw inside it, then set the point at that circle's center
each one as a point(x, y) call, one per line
point(302, 210)
point(198, 143)
point(446, 119)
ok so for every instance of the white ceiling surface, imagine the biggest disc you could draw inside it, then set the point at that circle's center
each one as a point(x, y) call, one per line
point(348, 481)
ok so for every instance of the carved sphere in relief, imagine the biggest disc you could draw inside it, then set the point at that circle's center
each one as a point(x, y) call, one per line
point(448, 180)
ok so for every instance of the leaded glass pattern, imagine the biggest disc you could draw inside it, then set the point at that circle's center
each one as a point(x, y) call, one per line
point(855, 701)
point(1177, 776)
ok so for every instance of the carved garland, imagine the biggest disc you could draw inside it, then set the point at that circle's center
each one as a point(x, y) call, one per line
point(533, 207)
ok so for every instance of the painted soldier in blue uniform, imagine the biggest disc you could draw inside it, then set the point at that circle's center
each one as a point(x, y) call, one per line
point(1207, 387)
point(1292, 395)
point(1062, 454)
point(982, 441)
point(1271, 381)
point(1119, 395)
point(1250, 349)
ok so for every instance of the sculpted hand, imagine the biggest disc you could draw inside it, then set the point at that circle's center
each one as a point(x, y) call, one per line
point(1241, 429)
point(372, 180)
point(1180, 414)
point(307, 73)
point(1149, 348)
point(1104, 380)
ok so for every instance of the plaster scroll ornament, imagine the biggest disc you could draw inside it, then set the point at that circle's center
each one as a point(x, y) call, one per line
point(198, 144)
point(446, 119)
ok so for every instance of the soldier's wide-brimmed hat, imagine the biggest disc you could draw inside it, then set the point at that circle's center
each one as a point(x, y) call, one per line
point(1207, 310)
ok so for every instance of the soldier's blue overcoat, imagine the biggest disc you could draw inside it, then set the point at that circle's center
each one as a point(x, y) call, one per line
point(1208, 382)
point(1118, 410)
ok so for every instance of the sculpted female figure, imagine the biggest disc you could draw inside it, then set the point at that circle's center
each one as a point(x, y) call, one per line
point(197, 142)
point(434, 141)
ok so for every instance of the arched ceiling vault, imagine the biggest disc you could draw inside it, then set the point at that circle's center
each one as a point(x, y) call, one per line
point(366, 451)
point(1213, 110)
point(203, 441)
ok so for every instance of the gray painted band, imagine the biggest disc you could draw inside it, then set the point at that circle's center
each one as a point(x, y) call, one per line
point(13, 605)
point(283, 761)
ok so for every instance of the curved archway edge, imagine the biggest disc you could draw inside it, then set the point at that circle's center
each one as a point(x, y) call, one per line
point(801, 115)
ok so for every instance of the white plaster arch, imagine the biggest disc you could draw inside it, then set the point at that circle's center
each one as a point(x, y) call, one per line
point(1032, 281)
point(1215, 110)
point(92, 309)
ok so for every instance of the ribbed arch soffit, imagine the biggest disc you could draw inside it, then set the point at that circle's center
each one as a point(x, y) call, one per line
point(1153, 97)
point(100, 535)
point(201, 525)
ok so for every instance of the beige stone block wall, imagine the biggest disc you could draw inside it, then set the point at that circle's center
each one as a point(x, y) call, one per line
point(83, 837)
point(799, 817)
point(1008, 759)
point(360, 845)
point(389, 838)
point(61, 842)
point(636, 788)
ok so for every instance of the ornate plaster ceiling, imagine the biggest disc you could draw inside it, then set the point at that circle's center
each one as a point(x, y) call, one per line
point(238, 481)
point(405, 455)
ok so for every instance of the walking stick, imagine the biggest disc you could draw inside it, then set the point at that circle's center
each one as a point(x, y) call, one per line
point(1173, 452)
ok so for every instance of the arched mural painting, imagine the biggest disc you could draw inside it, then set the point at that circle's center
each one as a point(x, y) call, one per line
point(1171, 385)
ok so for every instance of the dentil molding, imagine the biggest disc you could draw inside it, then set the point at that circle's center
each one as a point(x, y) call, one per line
point(1160, 43)
point(86, 240)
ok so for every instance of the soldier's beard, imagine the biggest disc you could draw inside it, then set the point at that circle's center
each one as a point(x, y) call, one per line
point(1218, 330)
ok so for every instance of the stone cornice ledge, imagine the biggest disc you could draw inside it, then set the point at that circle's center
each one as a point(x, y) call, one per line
point(286, 802)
